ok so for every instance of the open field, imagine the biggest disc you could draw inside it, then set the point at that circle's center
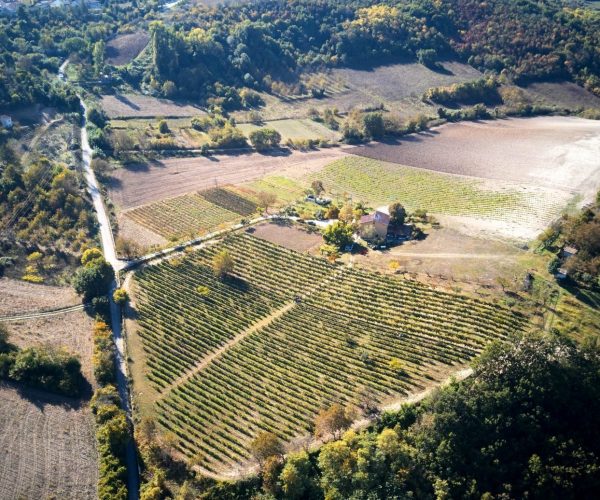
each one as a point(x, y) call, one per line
point(266, 349)
point(141, 106)
point(143, 130)
point(563, 94)
point(48, 447)
point(123, 49)
point(18, 296)
point(556, 152)
point(138, 185)
point(396, 86)
point(295, 129)
point(508, 210)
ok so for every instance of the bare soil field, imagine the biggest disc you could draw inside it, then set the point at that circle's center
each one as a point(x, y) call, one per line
point(555, 152)
point(143, 236)
point(131, 187)
point(18, 296)
point(141, 106)
point(288, 235)
point(563, 94)
point(48, 447)
point(125, 48)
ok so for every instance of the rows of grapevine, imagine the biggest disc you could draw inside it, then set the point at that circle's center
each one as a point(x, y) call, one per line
point(378, 182)
point(230, 200)
point(336, 343)
point(181, 323)
point(184, 216)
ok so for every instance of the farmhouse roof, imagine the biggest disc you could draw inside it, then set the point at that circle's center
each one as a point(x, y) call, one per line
point(569, 250)
point(376, 216)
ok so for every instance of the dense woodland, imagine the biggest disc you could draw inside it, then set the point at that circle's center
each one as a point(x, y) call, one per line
point(209, 52)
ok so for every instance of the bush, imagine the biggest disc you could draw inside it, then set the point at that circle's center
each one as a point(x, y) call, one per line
point(163, 127)
point(265, 138)
point(49, 369)
point(483, 90)
point(97, 117)
point(120, 296)
point(227, 137)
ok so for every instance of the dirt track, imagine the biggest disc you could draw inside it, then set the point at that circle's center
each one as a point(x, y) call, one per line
point(176, 176)
point(557, 152)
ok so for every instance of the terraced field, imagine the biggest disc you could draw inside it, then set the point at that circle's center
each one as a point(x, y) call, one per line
point(193, 214)
point(288, 335)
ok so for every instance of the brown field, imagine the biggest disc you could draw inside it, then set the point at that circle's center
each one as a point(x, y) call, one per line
point(555, 152)
point(131, 187)
point(564, 94)
point(72, 330)
point(141, 106)
point(123, 49)
point(18, 296)
point(289, 236)
point(397, 86)
point(48, 447)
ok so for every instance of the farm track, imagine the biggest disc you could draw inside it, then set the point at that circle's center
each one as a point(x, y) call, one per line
point(42, 314)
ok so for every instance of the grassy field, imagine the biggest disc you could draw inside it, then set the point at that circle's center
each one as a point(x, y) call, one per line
point(378, 183)
point(143, 130)
point(141, 106)
point(250, 356)
point(300, 129)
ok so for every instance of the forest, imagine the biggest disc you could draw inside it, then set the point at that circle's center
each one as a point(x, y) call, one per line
point(210, 53)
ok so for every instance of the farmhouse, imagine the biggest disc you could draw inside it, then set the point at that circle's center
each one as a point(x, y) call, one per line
point(6, 121)
point(374, 227)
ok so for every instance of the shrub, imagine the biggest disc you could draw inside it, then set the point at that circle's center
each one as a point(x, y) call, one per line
point(227, 137)
point(163, 127)
point(120, 296)
point(265, 138)
point(97, 117)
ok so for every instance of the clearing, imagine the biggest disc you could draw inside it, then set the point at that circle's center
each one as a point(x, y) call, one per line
point(296, 342)
point(301, 129)
point(125, 48)
point(17, 296)
point(141, 106)
point(288, 235)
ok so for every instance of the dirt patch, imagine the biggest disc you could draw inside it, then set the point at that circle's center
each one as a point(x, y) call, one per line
point(48, 447)
point(557, 152)
point(18, 297)
point(289, 236)
point(143, 236)
point(144, 184)
point(141, 106)
point(125, 48)
point(72, 330)
point(451, 255)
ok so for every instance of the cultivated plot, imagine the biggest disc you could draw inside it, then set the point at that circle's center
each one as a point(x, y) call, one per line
point(285, 336)
point(141, 106)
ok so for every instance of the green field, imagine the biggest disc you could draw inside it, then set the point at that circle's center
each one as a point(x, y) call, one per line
point(300, 129)
point(377, 183)
point(288, 335)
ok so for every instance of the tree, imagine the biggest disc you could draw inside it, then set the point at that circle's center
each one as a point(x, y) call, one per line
point(163, 127)
point(317, 187)
point(99, 56)
point(93, 279)
point(120, 296)
point(346, 213)
point(332, 420)
point(265, 138)
point(91, 255)
point(265, 445)
point(338, 234)
point(373, 125)
point(223, 264)
point(266, 199)
point(295, 477)
point(97, 117)
point(397, 214)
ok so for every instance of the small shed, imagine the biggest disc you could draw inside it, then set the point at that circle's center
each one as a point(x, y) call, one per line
point(561, 273)
point(568, 251)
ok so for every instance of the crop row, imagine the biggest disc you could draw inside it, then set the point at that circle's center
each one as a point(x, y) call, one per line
point(230, 200)
point(336, 343)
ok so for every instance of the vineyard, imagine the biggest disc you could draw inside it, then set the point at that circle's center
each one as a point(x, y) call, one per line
point(288, 335)
point(193, 214)
point(377, 182)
